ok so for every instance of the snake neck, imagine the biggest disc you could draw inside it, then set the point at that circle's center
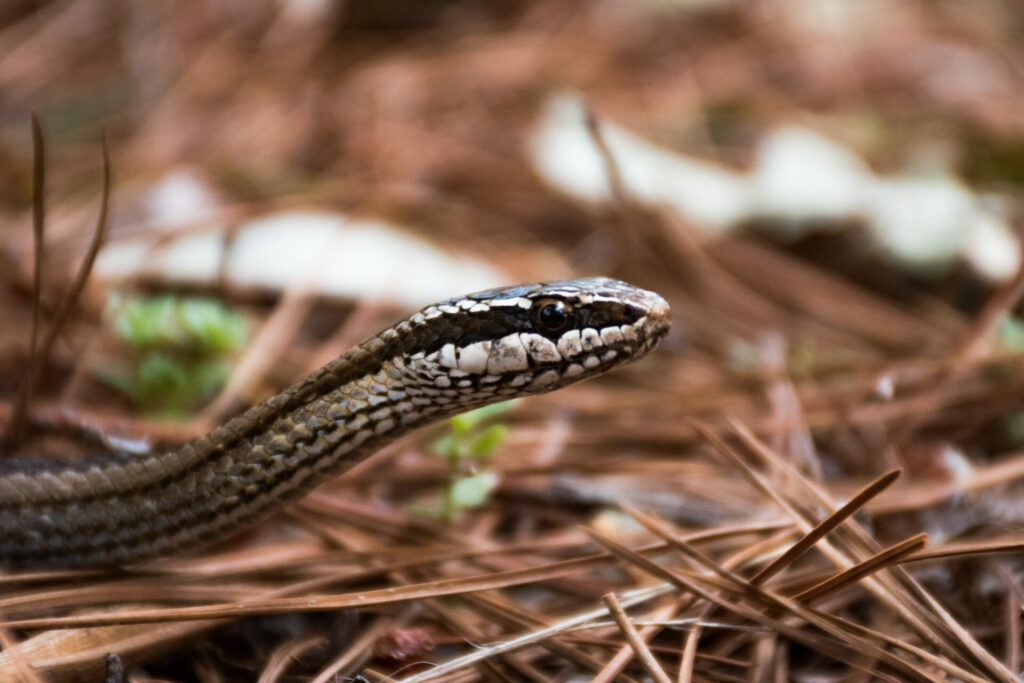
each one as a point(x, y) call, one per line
point(126, 509)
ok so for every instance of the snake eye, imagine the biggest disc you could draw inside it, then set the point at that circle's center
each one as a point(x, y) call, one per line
point(551, 316)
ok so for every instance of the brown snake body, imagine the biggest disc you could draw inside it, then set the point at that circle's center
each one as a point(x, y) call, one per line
point(452, 356)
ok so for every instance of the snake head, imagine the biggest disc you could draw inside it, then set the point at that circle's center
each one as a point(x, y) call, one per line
point(538, 337)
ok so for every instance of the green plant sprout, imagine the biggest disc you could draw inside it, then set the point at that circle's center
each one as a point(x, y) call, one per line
point(467, 444)
point(1010, 333)
point(181, 351)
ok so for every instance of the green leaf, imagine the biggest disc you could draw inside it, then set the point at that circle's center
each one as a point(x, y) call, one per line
point(159, 373)
point(466, 421)
point(471, 492)
point(164, 384)
point(488, 441)
point(446, 446)
point(117, 376)
point(169, 322)
point(179, 346)
point(147, 323)
point(1011, 333)
point(206, 377)
point(211, 326)
point(1013, 425)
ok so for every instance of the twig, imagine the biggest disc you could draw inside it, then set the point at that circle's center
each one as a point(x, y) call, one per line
point(38, 224)
point(616, 187)
point(38, 230)
point(844, 645)
point(849, 576)
point(631, 598)
point(832, 521)
point(640, 648)
point(67, 305)
point(359, 649)
point(19, 661)
point(284, 655)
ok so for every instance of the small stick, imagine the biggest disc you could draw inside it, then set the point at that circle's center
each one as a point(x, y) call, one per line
point(635, 641)
point(38, 231)
point(36, 362)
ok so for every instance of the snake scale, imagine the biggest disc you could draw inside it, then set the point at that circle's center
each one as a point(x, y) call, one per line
point(116, 509)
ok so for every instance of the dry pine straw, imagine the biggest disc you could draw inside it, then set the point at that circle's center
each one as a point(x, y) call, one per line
point(930, 643)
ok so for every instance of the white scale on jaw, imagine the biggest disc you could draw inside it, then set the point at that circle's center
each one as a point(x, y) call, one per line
point(569, 344)
point(573, 370)
point(472, 358)
point(545, 378)
point(541, 349)
point(489, 362)
point(611, 335)
point(507, 355)
point(510, 353)
point(589, 339)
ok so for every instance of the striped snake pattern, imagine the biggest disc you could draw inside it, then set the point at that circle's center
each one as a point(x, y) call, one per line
point(115, 509)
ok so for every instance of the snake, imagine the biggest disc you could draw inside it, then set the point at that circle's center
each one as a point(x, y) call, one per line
point(112, 509)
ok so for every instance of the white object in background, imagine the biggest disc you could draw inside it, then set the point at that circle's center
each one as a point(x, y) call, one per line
point(353, 258)
point(801, 181)
point(179, 199)
point(992, 249)
point(921, 221)
point(323, 252)
point(564, 153)
point(800, 176)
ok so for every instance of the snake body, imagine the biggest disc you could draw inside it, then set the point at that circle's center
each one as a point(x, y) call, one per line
point(458, 354)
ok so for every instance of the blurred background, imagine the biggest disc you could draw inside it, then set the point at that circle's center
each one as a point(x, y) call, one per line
point(395, 153)
point(826, 191)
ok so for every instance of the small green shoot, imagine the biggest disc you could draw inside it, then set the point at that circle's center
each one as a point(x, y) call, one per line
point(204, 326)
point(180, 351)
point(1011, 334)
point(466, 440)
point(472, 491)
point(468, 443)
point(1013, 426)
